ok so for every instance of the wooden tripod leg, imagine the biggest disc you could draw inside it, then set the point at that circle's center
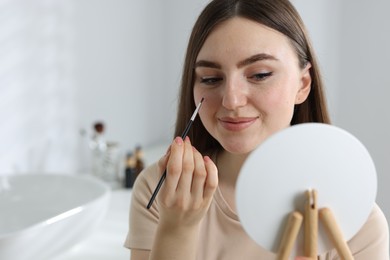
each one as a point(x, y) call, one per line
point(311, 224)
point(290, 234)
point(335, 234)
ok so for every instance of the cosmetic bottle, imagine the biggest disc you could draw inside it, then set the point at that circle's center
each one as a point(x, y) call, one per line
point(98, 148)
point(130, 170)
point(139, 160)
point(98, 142)
point(104, 156)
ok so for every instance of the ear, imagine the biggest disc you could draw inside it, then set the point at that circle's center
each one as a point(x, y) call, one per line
point(304, 90)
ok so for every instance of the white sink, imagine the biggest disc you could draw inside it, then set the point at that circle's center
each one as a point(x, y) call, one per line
point(42, 215)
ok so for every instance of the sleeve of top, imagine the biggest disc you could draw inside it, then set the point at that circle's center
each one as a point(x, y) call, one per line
point(372, 240)
point(142, 221)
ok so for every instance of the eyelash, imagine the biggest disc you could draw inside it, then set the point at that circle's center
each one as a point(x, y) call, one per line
point(210, 80)
point(255, 77)
point(261, 76)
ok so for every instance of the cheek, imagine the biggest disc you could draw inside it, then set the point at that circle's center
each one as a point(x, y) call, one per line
point(211, 97)
point(197, 95)
point(276, 99)
point(207, 111)
point(204, 111)
point(206, 117)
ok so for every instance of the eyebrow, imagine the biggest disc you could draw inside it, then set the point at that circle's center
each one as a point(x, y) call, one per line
point(245, 62)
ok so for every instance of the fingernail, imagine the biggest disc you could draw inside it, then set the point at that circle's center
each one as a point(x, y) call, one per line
point(187, 139)
point(178, 140)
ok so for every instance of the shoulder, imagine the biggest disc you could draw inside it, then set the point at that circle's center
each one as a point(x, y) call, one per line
point(148, 176)
point(143, 221)
point(376, 226)
point(146, 183)
point(372, 240)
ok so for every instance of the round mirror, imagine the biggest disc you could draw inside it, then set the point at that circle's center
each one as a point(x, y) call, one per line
point(275, 176)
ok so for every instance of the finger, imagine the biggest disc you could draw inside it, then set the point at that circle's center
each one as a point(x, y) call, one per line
point(211, 183)
point(199, 178)
point(185, 181)
point(174, 165)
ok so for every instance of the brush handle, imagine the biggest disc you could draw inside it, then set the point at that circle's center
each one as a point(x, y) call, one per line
point(159, 184)
point(187, 129)
point(161, 181)
point(183, 135)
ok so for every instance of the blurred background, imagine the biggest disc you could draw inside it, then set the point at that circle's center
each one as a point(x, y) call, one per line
point(66, 64)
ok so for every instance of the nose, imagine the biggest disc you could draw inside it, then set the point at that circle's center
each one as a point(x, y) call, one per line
point(234, 94)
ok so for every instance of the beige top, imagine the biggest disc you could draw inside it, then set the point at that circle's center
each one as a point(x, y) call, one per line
point(222, 236)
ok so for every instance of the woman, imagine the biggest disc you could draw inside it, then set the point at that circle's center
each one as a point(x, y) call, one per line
point(253, 63)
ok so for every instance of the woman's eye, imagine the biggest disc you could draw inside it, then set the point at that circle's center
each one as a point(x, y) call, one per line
point(210, 80)
point(261, 76)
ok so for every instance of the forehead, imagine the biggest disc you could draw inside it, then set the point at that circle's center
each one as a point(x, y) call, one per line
point(240, 38)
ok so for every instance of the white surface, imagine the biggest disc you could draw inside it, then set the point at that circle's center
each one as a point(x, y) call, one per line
point(275, 177)
point(44, 214)
point(107, 241)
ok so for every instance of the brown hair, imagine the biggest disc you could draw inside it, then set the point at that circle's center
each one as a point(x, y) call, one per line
point(279, 15)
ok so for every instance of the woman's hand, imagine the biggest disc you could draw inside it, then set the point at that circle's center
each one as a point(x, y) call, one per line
point(183, 201)
point(189, 185)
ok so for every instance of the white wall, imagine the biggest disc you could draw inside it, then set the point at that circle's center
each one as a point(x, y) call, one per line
point(119, 68)
point(37, 99)
point(365, 83)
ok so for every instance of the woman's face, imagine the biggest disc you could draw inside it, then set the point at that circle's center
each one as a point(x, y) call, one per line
point(250, 78)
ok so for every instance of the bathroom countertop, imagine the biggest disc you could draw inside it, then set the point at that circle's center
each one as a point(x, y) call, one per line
point(106, 242)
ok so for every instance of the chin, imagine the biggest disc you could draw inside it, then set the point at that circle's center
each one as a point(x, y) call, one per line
point(240, 148)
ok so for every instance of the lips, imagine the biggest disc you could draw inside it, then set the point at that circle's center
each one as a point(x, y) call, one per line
point(236, 123)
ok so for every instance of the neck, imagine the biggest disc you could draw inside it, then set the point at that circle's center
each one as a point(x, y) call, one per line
point(229, 166)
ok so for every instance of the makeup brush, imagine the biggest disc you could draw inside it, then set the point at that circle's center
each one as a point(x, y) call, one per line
point(183, 135)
